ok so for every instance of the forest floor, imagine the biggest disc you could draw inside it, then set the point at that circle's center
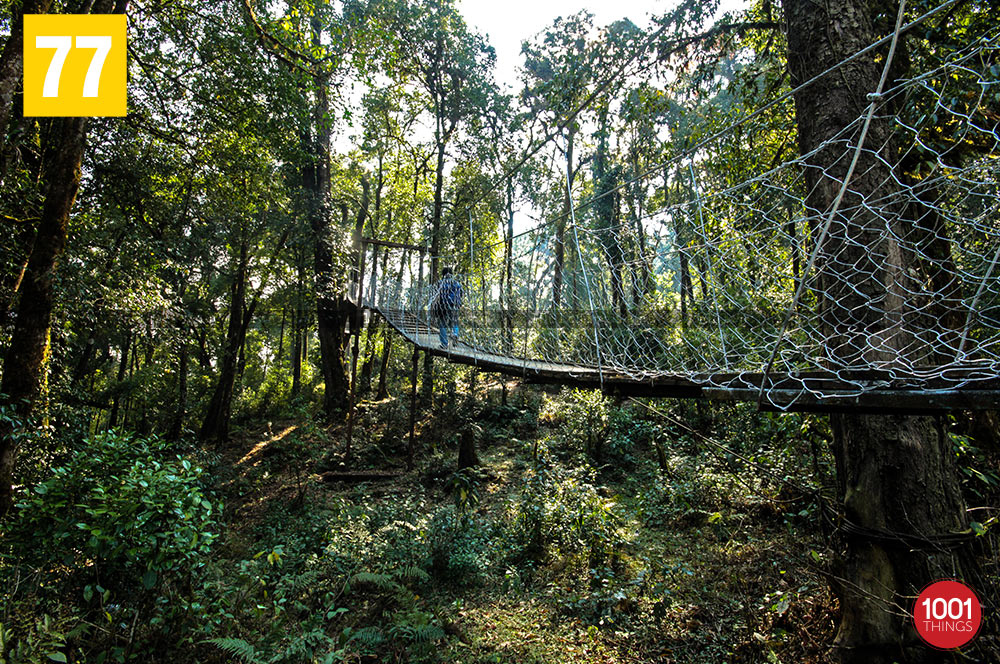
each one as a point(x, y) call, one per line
point(663, 551)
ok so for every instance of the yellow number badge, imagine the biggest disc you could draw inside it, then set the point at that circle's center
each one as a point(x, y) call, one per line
point(74, 65)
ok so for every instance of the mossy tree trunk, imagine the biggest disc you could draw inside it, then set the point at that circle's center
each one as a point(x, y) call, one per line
point(25, 359)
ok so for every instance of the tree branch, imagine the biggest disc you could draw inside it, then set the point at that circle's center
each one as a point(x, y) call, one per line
point(275, 46)
point(665, 50)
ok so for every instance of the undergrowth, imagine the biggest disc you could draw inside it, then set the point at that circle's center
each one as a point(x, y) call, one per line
point(594, 530)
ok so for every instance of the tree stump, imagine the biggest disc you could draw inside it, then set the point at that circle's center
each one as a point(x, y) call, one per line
point(467, 457)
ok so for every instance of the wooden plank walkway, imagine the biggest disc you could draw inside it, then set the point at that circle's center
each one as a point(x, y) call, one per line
point(425, 337)
point(865, 392)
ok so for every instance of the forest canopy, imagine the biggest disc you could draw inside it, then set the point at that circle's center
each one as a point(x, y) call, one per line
point(755, 245)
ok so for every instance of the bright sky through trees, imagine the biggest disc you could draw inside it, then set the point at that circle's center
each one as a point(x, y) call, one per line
point(719, 382)
point(507, 24)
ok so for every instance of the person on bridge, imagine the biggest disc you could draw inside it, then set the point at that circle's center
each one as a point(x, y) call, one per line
point(445, 307)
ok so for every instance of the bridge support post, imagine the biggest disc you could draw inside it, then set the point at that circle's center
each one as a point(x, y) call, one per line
point(412, 444)
point(360, 313)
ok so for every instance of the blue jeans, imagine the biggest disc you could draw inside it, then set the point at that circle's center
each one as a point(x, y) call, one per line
point(448, 322)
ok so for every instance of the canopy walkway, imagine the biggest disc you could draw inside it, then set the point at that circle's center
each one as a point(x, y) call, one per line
point(711, 274)
point(816, 392)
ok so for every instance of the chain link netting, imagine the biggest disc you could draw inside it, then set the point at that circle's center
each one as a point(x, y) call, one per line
point(902, 292)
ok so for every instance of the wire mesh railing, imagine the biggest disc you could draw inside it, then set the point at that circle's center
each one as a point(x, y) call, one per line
point(733, 278)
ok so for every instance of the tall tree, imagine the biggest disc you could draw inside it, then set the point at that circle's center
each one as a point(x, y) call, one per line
point(896, 476)
point(11, 62)
point(25, 358)
point(453, 67)
point(558, 70)
point(318, 44)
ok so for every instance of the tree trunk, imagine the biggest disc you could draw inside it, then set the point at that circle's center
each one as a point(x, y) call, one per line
point(374, 330)
point(644, 268)
point(383, 375)
point(895, 474)
point(560, 243)
point(11, 62)
point(297, 325)
point(122, 369)
point(216, 424)
point(13, 275)
point(25, 358)
point(441, 138)
point(86, 357)
point(26, 355)
point(507, 288)
point(281, 336)
point(937, 266)
point(331, 309)
point(685, 286)
point(467, 457)
point(383, 330)
point(795, 249)
point(177, 424)
point(682, 241)
point(133, 361)
point(607, 212)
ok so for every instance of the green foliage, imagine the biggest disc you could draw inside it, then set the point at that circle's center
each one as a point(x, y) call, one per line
point(586, 415)
point(460, 549)
point(44, 642)
point(389, 581)
point(38, 442)
point(222, 187)
point(238, 648)
point(610, 434)
point(123, 514)
point(464, 487)
point(301, 649)
point(977, 478)
point(287, 602)
point(561, 511)
point(403, 623)
point(606, 600)
point(626, 433)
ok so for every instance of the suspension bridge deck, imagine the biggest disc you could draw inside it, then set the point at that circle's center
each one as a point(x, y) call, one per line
point(823, 391)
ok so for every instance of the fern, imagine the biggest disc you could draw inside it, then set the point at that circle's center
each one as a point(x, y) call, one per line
point(426, 634)
point(6, 636)
point(238, 648)
point(368, 637)
point(410, 630)
point(380, 581)
point(412, 573)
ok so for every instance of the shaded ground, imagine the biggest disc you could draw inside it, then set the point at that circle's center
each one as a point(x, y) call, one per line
point(702, 561)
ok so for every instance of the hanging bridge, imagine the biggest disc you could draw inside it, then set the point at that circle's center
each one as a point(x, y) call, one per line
point(711, 275)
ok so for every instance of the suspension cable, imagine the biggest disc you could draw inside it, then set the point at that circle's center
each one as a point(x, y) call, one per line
point(875, 98)
point(689, 152)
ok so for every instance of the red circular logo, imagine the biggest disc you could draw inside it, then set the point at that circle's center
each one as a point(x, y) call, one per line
point(947, 614)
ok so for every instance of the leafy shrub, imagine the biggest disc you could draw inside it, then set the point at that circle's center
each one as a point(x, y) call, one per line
point(585, 414)
point(978, 480)
point(120, 515)
point(607, 600)
point(561, 511)
point(286, 604)
point(459, 548)
point(376, 536)
point(607, 433)
point(34, 438)
point(792, 445)
point(626, 431)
